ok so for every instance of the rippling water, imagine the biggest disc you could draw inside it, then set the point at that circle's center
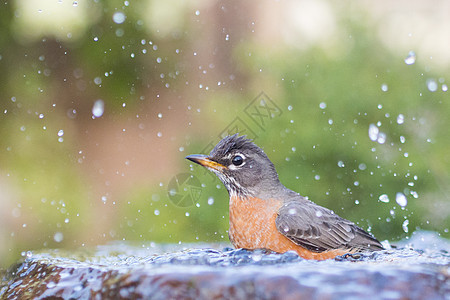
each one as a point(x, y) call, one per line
point(419, 269)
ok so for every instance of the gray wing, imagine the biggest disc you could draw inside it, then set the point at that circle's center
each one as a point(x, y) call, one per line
point(319, 229)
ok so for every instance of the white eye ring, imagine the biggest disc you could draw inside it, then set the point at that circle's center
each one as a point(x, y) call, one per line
point(233, 166)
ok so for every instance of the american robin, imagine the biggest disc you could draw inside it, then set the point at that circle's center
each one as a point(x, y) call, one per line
point(264, 214)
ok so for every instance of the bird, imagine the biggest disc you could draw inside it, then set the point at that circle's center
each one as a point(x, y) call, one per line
point(264, 214)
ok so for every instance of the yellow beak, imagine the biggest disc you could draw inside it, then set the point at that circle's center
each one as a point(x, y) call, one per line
point(205, 161)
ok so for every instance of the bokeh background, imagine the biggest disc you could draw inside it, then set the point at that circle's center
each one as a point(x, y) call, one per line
point(100, 101)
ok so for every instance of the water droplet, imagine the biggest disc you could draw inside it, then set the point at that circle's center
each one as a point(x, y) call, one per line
point(406, 154)
point(401, 200)
point(341, 164)
point(317, 177)
point(400, 119)
point(98, 108)
point(444, 88)
point(292, 211)
point(411, 58)
point(186, 214)
point(158, 60)
point(362, 166)
point(380, 106)
point(318, 213)
point(119, 17)
point(356, 183)
point(41, 116)
point(384, 87)
point(356, 202)
point(322, 105)
point(210, 201)
point(330, 121)
point(402, 139)
point(156, 212)
point(58, 237)
point(432, 85)
point(405, 226)
point(381, 138)
point(61, 132)
point(160, 115)
point(373, 132)
point(290, 107)
point(197, 12)
point(384, 198)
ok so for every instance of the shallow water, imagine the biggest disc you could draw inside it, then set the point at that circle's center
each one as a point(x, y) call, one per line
point(205, 271)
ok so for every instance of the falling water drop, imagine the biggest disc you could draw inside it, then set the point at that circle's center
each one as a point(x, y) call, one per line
point(401, 200)
point(119, 17)
point(384, 198)
point(405, 226)
point(432, 85)
point(373, 132)
point(411, 58)
point(58, 237)
point(381, 138)
point(98, 108)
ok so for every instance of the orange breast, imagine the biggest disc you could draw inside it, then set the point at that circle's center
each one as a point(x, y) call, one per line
point(252, 226)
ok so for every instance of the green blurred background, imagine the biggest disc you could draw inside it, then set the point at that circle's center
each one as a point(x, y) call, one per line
point(102, 100)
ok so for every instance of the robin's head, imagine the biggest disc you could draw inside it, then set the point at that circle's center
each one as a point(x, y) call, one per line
point(243, 167)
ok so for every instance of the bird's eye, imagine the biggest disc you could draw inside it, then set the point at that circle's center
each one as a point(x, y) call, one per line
point(237, 160)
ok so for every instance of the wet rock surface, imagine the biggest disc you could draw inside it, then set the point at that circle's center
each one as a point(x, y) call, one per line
point(119, 271)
